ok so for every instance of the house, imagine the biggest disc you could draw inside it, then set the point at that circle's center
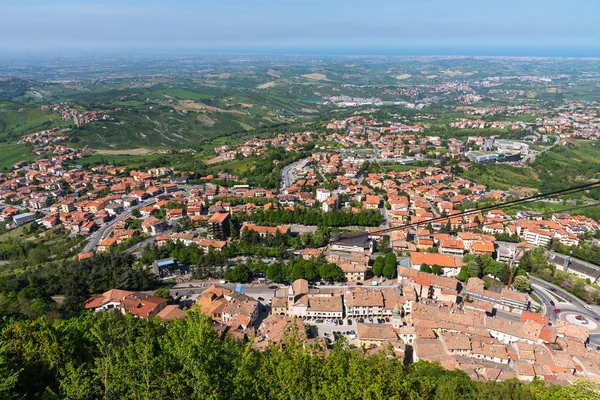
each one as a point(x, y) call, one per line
point(323, 195)
point(364, 303)
point(107, 244)
point(228, 306)
point(218, 225)
point(142, 305)
point(263, 231)
point(171, 312)
point(174, 214)
point(354, 271)
point(451, 246)
point(480, 248)
point(152, 225)
point(331, 204)
point(450, 264)
point(375, 334)
point(108, 300)
point(304, 303)
point(351, 243)
point(21, 219)
point(139, 304)
point(503, 299)
point(372, 202)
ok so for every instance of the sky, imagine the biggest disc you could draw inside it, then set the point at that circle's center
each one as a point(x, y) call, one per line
point(478, 27)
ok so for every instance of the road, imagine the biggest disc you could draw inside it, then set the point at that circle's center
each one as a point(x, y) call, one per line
point(106, 229)
point(572, 304)
point(288, 175)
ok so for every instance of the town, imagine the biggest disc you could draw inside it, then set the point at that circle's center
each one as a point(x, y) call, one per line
point(345, 249)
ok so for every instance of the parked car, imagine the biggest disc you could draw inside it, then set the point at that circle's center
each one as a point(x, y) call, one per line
point(261, 299)
point(340, 322)
point(273, 287)
point(552, 303)
point(387, 319)
point(335, 322)
point(319, 321)
point(349, 322)
point(556, 310)
point(588, 308)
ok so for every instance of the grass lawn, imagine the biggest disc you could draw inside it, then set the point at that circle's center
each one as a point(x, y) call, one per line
point(13, 153)
point(237, 166)
point(14, 234)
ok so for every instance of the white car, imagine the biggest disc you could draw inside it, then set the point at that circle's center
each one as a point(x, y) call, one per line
point(588, 308)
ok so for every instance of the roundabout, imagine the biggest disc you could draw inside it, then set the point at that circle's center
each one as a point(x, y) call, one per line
point(580, 320)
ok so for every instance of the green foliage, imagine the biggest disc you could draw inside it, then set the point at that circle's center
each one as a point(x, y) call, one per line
point(240, 273)
point(378, 266)
point(265, 173)
point(163, 293)
point(27, 292)
point(425, 268)
point(463, 274)
point(108, 355)
point(585, 251)
point(522, 283)
point(307, 216)
point(390, 267)
point(13, 153)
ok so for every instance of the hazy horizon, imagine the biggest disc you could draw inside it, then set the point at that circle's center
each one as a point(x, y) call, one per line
point(334, 27)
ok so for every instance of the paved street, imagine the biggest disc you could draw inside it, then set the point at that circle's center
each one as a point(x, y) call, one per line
point(106, 229)
point(571, 305)
point(288, 174)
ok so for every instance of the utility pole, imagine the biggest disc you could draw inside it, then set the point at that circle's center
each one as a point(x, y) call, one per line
point(567, 261)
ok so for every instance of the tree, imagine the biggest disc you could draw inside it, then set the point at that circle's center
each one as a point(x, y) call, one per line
point(331, 272)
point(136, 213)
point(463, 275)
point(436, 269)
point(425, 268)
point(163, 293)
point(390, 265)
point(378, 266)
point(240, 273)
point(276, 272)
point(522, 283)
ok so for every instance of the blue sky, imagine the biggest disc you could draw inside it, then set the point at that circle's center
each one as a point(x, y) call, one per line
point(338, 25)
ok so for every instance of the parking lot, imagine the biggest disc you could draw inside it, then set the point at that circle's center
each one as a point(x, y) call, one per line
point(327, 327)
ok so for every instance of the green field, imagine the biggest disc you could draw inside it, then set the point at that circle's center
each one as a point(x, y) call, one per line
point(559, 168)
point(120, 160)
point(180, 94)
point(13, 153)
point(501, 176)
point(235, 166)
point(16, 120)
